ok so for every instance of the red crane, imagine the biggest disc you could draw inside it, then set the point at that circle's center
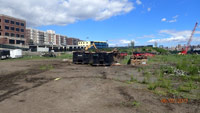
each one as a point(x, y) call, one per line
point(184, 52)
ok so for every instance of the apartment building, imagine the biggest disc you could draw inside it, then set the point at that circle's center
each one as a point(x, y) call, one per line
point(45, 38)
point(12, 31)
point(35, 36)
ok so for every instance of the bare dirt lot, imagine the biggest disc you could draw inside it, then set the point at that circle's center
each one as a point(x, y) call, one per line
point(55, 86)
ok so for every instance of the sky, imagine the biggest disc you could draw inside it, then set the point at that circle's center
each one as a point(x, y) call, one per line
point(167, 22)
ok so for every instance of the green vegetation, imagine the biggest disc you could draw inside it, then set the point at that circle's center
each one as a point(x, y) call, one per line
point(176, 75)
point(46, 67)
point(125, 60)
point(152, 86)
point(135, 103)
point(179, 74)
point(38, 57)
point(130, 50)
point(160, 92)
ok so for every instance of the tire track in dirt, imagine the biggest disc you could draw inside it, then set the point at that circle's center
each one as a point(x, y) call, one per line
point(8, 82)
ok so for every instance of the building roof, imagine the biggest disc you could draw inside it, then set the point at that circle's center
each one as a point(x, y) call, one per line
point(12, 17)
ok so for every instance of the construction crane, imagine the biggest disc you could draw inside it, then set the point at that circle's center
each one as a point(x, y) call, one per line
point(184, 51)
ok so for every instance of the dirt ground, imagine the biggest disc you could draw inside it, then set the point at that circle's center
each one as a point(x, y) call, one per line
point(25, 87)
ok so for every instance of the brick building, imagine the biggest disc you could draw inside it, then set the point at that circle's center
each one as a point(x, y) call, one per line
point(12, 31)
point(72, 41)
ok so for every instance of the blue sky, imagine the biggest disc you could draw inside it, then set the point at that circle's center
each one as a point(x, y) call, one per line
point(167, 22)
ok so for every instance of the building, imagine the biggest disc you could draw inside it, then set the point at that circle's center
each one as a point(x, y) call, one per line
point(12, 31)
point(35, 37)
point(84, 43)
point(49, 37)
point(98, 44)
point(72, 41)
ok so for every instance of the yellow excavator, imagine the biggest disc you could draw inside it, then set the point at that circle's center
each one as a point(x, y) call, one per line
point(89, 46)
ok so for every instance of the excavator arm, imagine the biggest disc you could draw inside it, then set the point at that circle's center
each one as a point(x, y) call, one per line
point(89, 46)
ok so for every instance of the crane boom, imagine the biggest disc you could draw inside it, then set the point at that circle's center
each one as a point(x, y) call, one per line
point(190, 39)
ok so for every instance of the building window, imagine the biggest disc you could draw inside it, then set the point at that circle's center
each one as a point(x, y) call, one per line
point(17, 35)
point(12, 28)
point(22, 36)
point(17, 29)
point(22, 42)
point(12, 22)
point(22, 24)
point(12, 35)
point(22, 30)
point(0, 33)
point(17, 23)
point(18, 41)
point(11, 41)
point(0, 27)
point(6, 21)
point(7, 34)
point(0, 20)
point(6, 27)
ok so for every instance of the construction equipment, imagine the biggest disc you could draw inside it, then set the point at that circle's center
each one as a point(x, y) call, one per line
point(184, 51)
point(94, 58)
point(89, 46)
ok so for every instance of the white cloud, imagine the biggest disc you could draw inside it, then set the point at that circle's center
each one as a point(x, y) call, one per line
point(138, 2)
point(175, 36)
point(168, 40)
point(121, 42)
point(146, 36)
point(163, 19)
point(171, 21)
point(174, 19)
point(63, 12)
point(125, 41)
point(148, 9)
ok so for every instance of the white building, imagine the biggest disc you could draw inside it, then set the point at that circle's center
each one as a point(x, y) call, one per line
point(46, 38)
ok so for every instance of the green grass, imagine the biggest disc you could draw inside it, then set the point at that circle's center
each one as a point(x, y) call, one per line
point(161, 93)
point(65, 56)
point(37, 57)
point(135, 103)
point(125, 60)
point(174, 92)
point(152, 86)
point(177, 74)
point(46, 67)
